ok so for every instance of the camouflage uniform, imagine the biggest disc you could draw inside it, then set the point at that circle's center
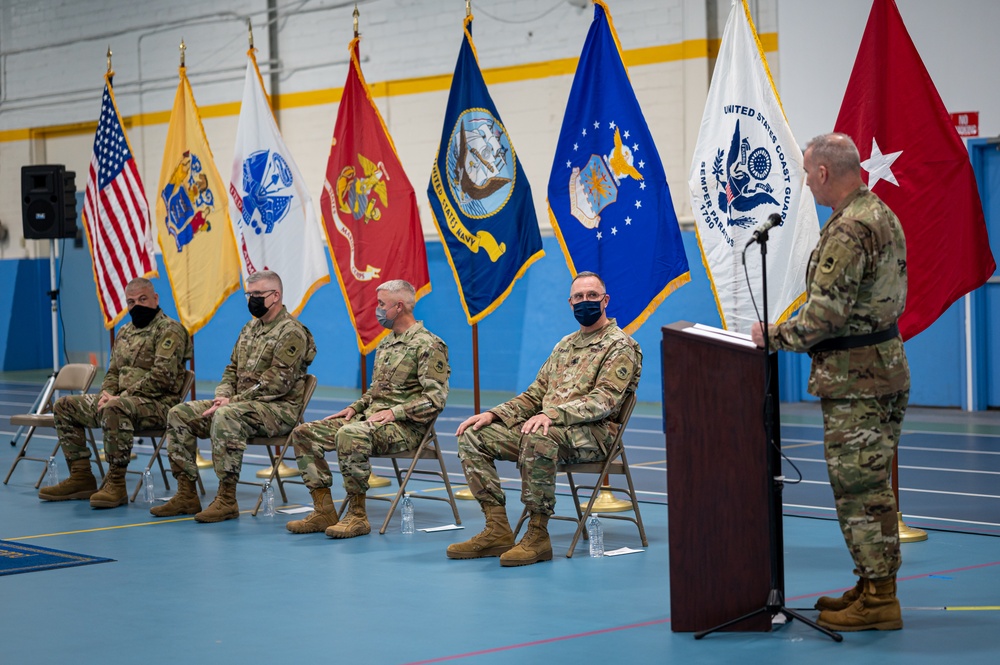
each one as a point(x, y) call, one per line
point(146, 373)
point(264, 382)
point(857, 285)
point(580, 388)
point(411, 378)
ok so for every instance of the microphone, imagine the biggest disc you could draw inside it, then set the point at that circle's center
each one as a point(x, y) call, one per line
point(774, 219)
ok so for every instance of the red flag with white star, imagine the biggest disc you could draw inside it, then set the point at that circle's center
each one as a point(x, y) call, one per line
point(916, 162)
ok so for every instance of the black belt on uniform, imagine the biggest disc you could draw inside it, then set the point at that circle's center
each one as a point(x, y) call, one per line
point(855, 341)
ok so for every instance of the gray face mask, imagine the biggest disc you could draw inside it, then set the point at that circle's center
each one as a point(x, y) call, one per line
point(383, 320)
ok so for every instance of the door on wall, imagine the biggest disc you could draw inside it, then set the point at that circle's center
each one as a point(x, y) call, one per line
point(986, 161)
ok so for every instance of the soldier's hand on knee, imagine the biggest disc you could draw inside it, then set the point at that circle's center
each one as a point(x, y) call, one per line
point(103, 399)
point(347, 413)
point(383, 416)
point(216, 403)
point(532, 424)
point(476, 421)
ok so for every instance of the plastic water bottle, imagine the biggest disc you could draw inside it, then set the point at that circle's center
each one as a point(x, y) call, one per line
point(148, 493)
point(52, 473)
point(595, 534)
point(268, 500)
point(407, 526)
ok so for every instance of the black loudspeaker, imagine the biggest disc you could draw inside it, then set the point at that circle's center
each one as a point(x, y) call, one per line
point(48, 201)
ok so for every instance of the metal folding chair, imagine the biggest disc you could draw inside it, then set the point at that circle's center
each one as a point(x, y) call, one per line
point(616, 463)
point(75, 377)
point(429, 448)
point(159, 438)
point(282, 442)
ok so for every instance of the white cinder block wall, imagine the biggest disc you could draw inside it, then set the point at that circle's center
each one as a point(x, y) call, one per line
point(52, 66)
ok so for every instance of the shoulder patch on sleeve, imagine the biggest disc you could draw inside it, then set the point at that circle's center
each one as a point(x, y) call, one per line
point(621, 371)
point(829, 264)
point(291, 350)
point(167, 344)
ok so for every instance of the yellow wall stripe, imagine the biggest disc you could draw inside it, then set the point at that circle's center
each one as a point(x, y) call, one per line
point(690, 49)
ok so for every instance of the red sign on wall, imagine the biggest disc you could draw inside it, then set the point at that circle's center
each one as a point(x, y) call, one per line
point(966, 124)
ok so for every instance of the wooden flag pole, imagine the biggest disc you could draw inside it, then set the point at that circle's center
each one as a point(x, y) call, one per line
point(373, 479)
point(465, 493)
point(907, 534)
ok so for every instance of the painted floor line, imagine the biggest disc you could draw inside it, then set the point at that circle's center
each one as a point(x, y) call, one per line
point(550, 640)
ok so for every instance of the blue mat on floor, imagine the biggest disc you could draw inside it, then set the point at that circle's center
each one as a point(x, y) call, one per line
point(18, 558)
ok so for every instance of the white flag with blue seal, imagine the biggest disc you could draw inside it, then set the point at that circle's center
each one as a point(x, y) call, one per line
point(746, 167)
point(271, 210)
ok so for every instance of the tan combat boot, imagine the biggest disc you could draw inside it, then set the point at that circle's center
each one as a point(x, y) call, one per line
point(324, 514)
point(875, 609)
point(185, 502)
point(80, 484)
point(112, 493)
point(836, 604)
point(494, 540)
point(224, 507)
point(355, 523)
point(534, 547)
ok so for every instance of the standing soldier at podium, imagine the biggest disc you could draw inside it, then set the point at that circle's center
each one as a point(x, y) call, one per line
point(856, 288)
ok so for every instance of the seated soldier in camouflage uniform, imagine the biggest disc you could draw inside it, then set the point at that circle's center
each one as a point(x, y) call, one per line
point(408, 390)
point(565, 415)
point(260, 394)
point(856, 290)
point(143, 381)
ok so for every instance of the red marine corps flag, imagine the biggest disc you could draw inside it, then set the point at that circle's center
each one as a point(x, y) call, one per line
point(369, 209)
point(916, 163)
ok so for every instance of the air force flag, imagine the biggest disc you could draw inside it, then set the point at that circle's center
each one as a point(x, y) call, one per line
point(609, 202)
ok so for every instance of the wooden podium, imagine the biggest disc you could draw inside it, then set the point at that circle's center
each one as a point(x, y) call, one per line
point(725, 548)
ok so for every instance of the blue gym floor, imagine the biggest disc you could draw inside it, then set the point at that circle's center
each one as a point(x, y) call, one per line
point(246, 590)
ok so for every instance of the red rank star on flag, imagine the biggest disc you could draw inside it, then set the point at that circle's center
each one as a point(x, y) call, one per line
point(916, 162)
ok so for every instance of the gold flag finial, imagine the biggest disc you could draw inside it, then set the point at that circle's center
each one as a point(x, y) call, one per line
point(109, 58)
point(250, 32)
point(356, 15)
point(183, 48)
point(468, 8)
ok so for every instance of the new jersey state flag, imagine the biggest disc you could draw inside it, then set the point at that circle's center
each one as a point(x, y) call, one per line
point(746, 167)
point(195, 233)
point(480, 198)
point(273, 218)
point(609, 202)
point(369, 209)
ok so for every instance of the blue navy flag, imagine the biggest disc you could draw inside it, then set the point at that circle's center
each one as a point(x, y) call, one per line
point(608, 199)
point(479, 195)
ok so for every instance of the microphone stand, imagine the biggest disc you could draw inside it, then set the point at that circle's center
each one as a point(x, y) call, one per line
point(775, 603)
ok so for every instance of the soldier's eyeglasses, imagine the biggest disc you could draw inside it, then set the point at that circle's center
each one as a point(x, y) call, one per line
point(589, 295)
point(259, 294)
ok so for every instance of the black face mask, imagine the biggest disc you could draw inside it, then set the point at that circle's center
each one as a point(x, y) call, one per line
point(587, 312)
point(256, 306)
point(142, 316)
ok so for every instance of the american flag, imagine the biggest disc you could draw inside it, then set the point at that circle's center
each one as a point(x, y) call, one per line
point(116, 216)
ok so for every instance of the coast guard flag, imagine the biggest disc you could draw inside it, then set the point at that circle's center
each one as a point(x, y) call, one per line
point(747, 166)
point(479, 196)
point(195, 234)
point(369, 209)
point(272, 213)
point(916, 162)
point(115, 213)
point(608, 196)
